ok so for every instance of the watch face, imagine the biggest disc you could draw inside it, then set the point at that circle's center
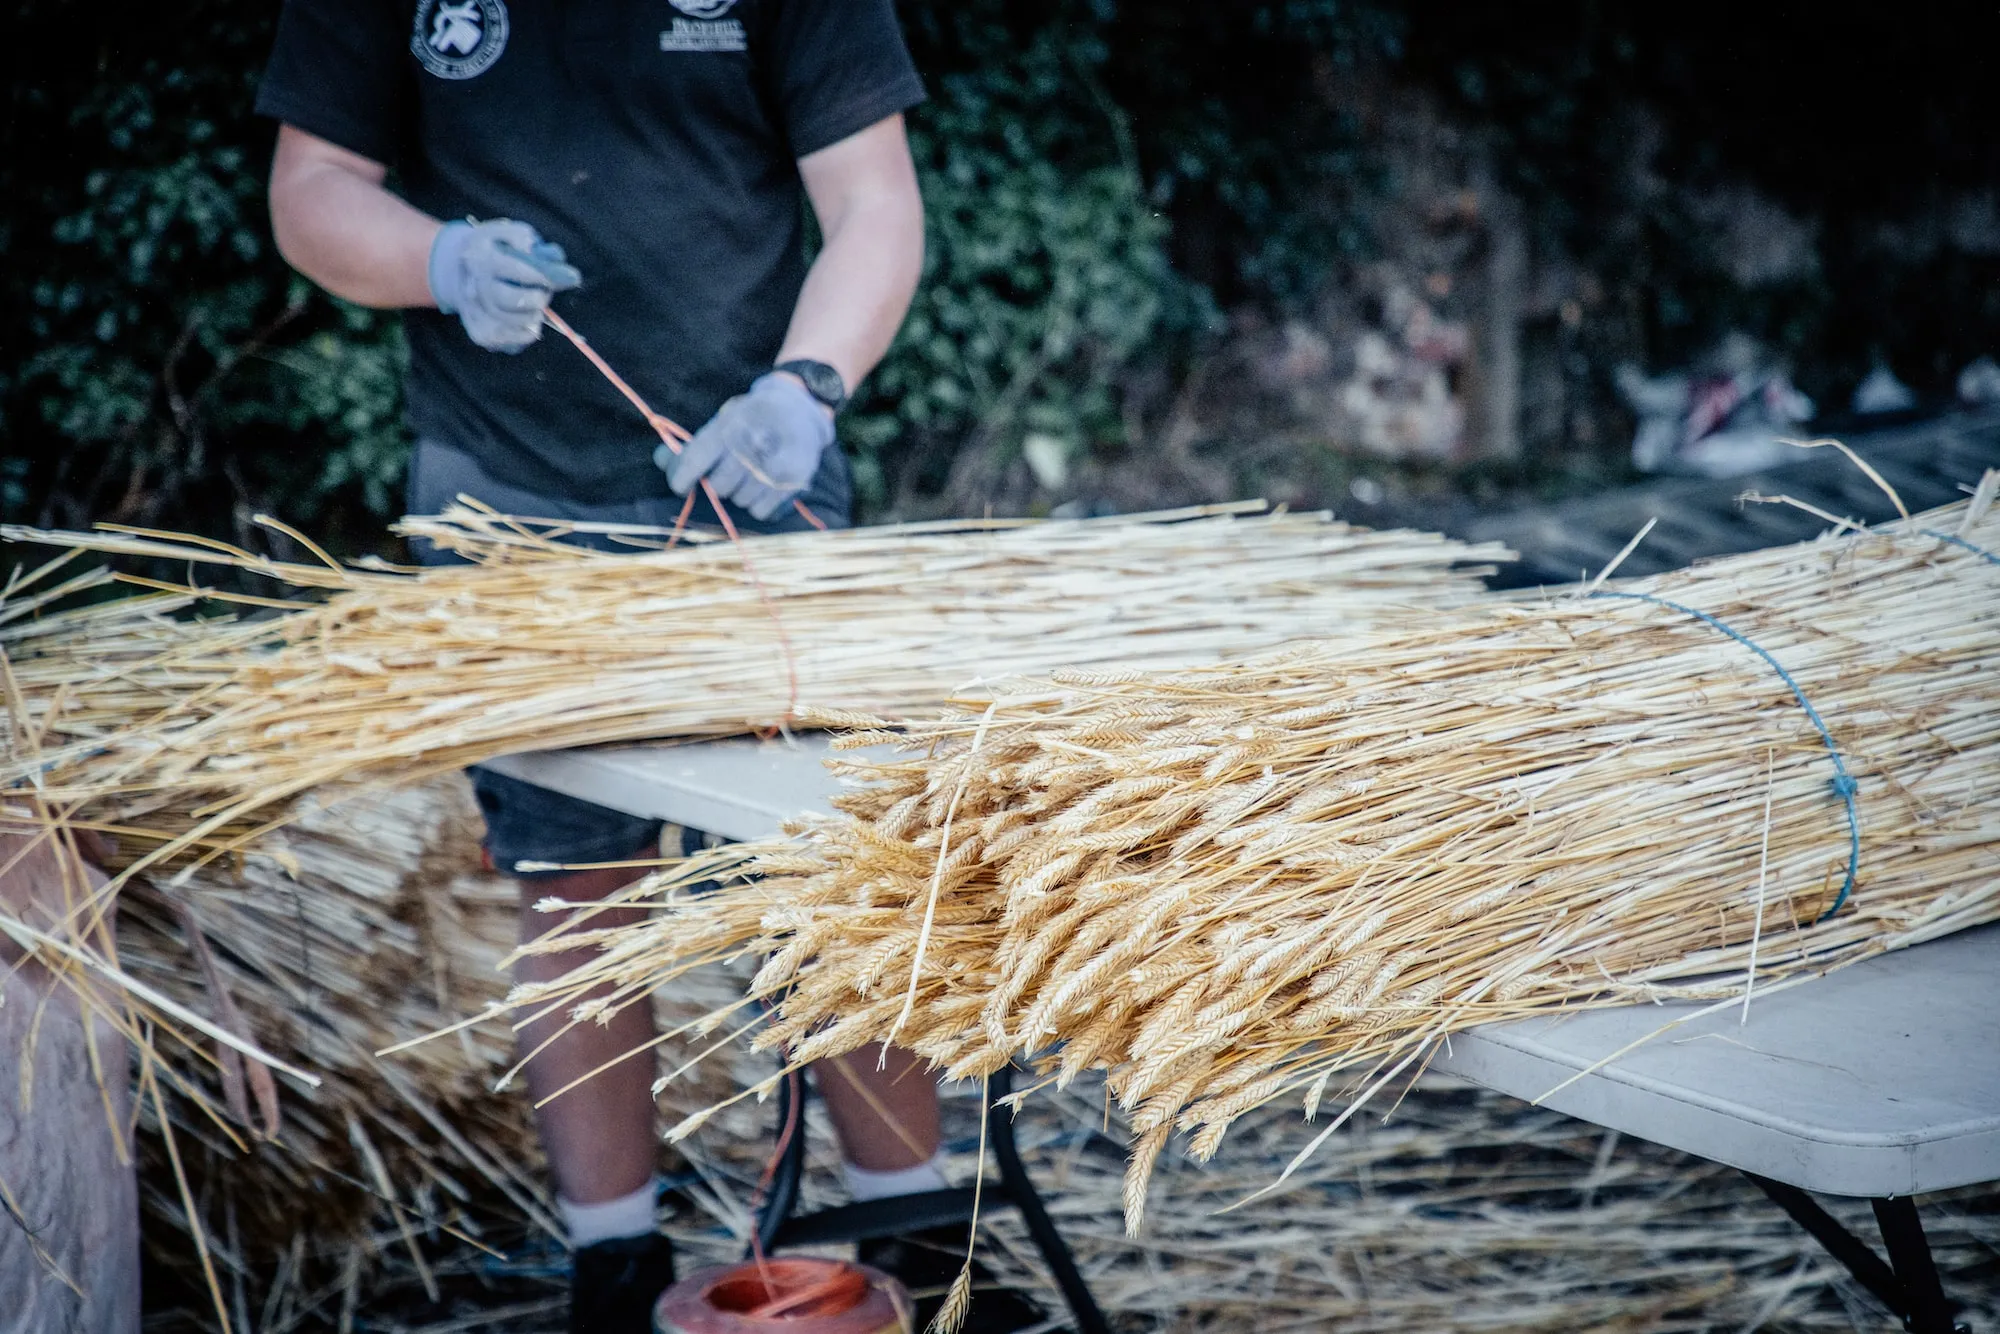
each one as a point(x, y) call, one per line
point(821, 379)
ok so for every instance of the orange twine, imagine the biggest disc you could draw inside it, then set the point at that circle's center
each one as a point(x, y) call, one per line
point(807, 1288)
point(786, 1291)
point(673, 436)
point(793, 1289)
point(796, 1096)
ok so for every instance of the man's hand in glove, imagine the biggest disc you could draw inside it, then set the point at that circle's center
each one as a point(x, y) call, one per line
point(497, 277)
point(761, 449)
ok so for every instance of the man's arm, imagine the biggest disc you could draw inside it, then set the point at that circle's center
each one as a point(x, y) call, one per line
point(341, 227)
point(761, 448)
point(864, 192)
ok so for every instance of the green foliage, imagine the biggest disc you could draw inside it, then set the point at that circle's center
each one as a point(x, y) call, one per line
point(162, 363)
point(1061, 149)
point(163, 366)
point(348, 382)
point(1102, 177)
point(1262, 167)
point(1045, 269)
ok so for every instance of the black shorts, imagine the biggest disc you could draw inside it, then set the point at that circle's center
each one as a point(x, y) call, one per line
point(526, 823)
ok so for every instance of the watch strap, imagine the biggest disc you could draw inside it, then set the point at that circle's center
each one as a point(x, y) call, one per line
point(822, 381)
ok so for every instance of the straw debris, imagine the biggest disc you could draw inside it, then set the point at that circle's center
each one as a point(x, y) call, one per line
point(292, 936)
point(1466, 1213)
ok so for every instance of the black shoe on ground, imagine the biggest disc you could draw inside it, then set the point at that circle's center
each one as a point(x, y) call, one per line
point(614, 1284)
point(926, 1262)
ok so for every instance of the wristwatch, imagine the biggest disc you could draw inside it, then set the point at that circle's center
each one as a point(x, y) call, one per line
point(822, 381)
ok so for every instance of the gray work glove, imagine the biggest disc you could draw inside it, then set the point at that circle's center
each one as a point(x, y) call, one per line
point(761, 449)
point(497, 277)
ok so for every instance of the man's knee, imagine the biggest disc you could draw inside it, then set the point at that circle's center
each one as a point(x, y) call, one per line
point(540, 895)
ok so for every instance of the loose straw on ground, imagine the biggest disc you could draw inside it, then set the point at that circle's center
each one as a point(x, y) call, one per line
point(1237, 883)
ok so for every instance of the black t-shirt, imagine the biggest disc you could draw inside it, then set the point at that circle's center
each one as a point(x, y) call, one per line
point(654, 140)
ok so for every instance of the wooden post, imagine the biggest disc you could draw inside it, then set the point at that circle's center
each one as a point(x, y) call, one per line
point(69, 1211)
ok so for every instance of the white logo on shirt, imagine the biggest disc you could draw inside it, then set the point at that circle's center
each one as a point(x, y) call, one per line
point(703, 9)
point(459, 39)
point(688, 35)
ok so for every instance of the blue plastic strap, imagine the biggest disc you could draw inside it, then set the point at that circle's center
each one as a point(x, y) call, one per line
point(1957, 541)
point(1843, 784)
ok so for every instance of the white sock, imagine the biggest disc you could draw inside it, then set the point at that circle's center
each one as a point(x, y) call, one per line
point(627, 1216)
point(867, 1184)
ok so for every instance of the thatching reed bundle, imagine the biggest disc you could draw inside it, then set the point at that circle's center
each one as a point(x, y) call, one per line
point(1229, 884)
point(165, 729)
point(350, 930)
point(178, 735)
point(342, 931)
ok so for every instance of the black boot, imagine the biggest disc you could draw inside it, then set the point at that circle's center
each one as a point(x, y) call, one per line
point(926, 1262)
point(614, 1284)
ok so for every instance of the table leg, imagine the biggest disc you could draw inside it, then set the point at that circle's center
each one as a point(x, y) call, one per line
point(1910, 1253)
point(776, 1226)
point(1910, 1289)
point(1021, 1192)
point(782, 1196)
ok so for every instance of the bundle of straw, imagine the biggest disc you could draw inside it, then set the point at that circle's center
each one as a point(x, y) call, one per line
point(184, 732)
point(1227, 884)
point(175, 735)
point(351, 930)
point(341, 934)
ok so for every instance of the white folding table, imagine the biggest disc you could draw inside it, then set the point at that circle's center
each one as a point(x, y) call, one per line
point(1879, 1081)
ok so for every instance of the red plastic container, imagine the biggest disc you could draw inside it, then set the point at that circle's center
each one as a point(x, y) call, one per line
point(788, 1296)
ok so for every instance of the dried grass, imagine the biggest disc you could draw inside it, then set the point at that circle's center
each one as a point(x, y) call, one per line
point(207, 737)
point(1519, 806)
point(1466, 1213)
point(1233, 884)
point(349, 931)
point(158, 728)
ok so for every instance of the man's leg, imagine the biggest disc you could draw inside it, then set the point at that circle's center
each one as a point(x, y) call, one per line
point(599, 1134)
point(886, 1117)
point(598, 1130)
point(594, 1081)
point(594, 1084)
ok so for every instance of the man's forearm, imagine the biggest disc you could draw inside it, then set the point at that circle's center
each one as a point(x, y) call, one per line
point(336, 223)
point(854, 299)
point(857, 293)
point(761, 447)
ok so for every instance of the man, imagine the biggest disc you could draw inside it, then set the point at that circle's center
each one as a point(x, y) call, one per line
point(648, 159)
